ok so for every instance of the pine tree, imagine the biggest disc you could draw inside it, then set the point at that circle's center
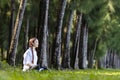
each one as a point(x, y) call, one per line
point(15, 37)
point(57, 53)
point(44, 54)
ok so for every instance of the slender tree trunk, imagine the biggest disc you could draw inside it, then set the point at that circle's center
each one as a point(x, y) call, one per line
point(57, 53)
point(108, 58)
point(90, 59)
point(85, 45)
point(111, 59)
point(44, 62)
point(115, 63)
point(12, 17)
point(25, 43)
point(2, 54)
point(26, 30)
point(48, 46)
point(80, 55)
point(52, 48)
point(91, 55)
point(112, 63)
point(41, 20)
point(66, 57)
point(15, 37)
point(77, 42)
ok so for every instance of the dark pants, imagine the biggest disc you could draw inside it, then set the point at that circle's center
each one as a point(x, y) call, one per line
point(40, 68)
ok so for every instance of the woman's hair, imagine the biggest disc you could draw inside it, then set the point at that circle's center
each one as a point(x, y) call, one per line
point(31, 41)
point(31, 44)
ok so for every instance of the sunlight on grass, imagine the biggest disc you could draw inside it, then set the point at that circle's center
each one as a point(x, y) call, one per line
point(99, 72)
point(17, 74)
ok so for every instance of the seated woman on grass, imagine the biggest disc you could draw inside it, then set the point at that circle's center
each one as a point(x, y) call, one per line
point(30, 56)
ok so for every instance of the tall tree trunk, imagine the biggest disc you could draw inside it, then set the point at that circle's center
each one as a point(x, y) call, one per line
point(80, 55)
point(108, 58)
point(57, 53)
point(44, 62)
point(12, 19)
point(11, 26)
point(26, 30)
point(113, 64)
point(41, 20)
point(92, 54)
point(66, 56)
point(2, 54)
point(77, 42)
point(85, 45)
point(15, 37)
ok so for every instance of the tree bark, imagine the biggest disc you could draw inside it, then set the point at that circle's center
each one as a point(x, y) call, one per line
point(110, 60)
point(44, 62)
point(12, 19)
point(2, 54)
point(85, 45)
point(92, 54)
point(15, 37)
point(57, 53)
point(41, 20)
point(66, 56)
point(26, 30)
point(77, 42)
point(11, 26)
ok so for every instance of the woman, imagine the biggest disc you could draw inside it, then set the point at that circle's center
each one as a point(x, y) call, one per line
point(30, 56)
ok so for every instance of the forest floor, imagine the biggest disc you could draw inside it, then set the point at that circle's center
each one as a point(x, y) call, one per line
point(88, 74)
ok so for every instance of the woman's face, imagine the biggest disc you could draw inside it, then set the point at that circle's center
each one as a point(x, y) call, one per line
point(36, 43)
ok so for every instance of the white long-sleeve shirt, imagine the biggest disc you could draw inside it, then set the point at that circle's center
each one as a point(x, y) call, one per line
point(27, 59)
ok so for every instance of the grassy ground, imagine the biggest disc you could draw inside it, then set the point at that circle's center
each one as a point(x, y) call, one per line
point(17, 74)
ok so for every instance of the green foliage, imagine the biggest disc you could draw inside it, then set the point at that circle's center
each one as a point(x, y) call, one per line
point(101, 50)
point(103, 22)
point(3, 3)
point(4, 65)
point(113, 41)
point(102, 17)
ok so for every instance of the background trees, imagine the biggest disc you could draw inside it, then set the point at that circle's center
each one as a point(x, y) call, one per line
point(16, 32)
point(72, 33)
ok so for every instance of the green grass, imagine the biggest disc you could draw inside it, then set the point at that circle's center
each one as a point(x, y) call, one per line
point(17, 74)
